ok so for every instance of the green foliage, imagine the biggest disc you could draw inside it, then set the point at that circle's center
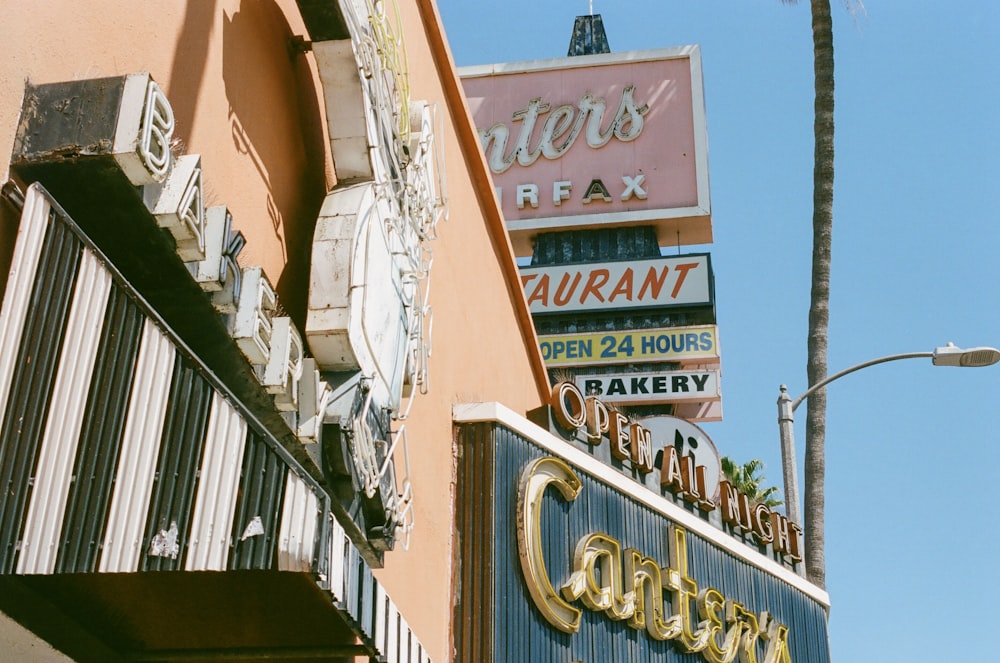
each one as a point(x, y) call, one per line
point(748, 478)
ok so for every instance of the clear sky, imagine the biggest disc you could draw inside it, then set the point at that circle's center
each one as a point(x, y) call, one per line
point(913, 451)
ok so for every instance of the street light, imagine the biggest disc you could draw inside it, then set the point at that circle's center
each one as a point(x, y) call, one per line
point(948, 355)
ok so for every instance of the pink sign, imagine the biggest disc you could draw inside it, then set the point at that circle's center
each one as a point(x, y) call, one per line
point(595, 140)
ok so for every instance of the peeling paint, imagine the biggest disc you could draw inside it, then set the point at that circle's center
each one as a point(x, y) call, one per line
point(164, 544)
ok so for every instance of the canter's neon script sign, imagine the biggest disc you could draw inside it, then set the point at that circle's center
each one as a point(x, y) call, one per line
point(627, 586)
point(561, 129)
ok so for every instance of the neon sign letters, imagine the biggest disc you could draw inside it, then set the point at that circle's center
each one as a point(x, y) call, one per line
point(628, 586)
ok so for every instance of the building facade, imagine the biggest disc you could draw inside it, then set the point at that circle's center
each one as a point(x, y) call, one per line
point(268, 373)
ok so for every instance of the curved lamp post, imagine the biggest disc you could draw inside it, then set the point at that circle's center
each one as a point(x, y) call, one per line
point(948, 355)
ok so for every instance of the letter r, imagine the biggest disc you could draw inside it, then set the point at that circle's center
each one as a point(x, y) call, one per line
point(527, 193)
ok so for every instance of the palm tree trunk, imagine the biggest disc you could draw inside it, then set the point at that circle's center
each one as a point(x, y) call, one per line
point(819, 305)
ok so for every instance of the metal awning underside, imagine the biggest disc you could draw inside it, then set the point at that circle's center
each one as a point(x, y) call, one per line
point(149, 515)
point(181, 616)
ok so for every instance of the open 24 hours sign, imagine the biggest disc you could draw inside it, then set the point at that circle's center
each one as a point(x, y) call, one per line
point(688, 345)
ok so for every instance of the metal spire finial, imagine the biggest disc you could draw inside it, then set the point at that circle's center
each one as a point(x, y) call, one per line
point(588, 36)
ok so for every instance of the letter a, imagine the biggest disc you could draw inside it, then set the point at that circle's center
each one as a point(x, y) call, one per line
point(597, 190)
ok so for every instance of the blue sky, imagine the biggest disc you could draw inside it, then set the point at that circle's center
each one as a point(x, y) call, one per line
point(913, 451)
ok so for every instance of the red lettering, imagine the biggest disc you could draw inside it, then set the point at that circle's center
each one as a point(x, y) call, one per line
point(735, 506)
point(670, 471)
point(569, 406)
point(562, 297)
point(597, 278)
point(618, 432)
point(653, 283)
point(682, 271)
point(541, 291)
point(624, 286)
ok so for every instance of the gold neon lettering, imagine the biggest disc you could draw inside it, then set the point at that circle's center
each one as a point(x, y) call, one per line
point(776, 636)
point(647, 587)
point(715, 612)
point(627, 586)
point(684, 590)
point(597, 578)
point(538, 476)
point(569, 406)
point(736, 613)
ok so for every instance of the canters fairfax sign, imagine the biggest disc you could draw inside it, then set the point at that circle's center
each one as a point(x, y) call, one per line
point(593, 140)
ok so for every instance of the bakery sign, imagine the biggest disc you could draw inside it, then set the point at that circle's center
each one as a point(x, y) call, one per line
point(659, 386)
point(605, 139)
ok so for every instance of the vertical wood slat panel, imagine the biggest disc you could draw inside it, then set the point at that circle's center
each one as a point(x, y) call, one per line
point(46, 509)
point(474, 611)
point(215, 502)
point(123, 540)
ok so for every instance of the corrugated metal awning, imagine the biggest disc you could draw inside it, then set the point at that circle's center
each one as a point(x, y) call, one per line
point(148, 515)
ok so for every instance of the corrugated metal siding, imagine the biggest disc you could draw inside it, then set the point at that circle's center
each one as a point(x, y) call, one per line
point(123, 540)
point(100, 440)
point(336, 553)
point(185, 423)
point(262, 483)
point(215, 503)
point(299, 519)
point(24, 266)
point(104, 418)
point(521, 634)
point(138, 456)
point(32, 382)
point(43, 524)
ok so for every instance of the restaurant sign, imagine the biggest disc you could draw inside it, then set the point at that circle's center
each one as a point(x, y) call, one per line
point(626, 284)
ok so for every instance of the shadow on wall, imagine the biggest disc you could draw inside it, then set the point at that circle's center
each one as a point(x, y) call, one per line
point(275, 120)
point(9, 221)
point(190, 61)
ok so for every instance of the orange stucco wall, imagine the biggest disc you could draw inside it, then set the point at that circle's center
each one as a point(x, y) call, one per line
point(254, 112)
point(478, 355)
point(240, 100)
